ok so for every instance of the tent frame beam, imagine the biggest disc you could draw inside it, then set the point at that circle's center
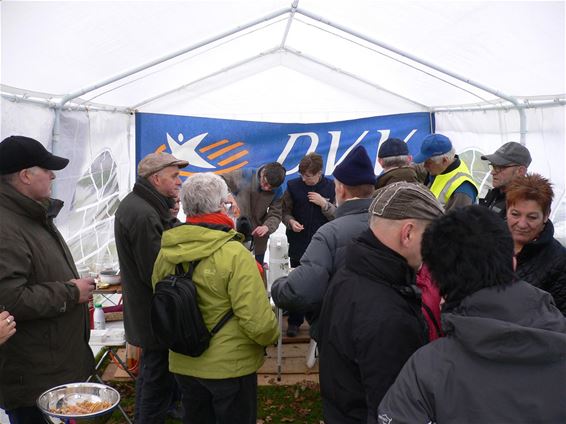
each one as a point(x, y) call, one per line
point(352, 76)
point(52, 104)
point(371, 40)
point(275, 51)
point(515, 102)
point(206, 77)
point(74, 95)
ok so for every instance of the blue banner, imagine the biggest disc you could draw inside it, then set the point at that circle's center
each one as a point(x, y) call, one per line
point(222, 145)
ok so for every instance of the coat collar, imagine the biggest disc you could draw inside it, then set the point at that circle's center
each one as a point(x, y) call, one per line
point(544, 239)
point(23, 205)
point(369, 257)
point(354, 206)
point(160, 203)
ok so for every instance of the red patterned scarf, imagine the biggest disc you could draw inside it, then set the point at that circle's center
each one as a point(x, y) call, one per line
point(212, 218)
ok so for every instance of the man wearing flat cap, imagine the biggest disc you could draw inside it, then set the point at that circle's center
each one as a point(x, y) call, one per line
point(449, 178)
point(510, 160)
point(371, 319)
point(303, 290)
point(39, 284)
point(139, 223)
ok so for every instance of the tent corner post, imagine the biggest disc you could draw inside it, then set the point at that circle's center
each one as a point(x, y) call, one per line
point(56, 132)
point(523, 125)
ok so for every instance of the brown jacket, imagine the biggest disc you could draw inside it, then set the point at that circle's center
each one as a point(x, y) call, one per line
point(261, 207)
point(411, 174)
point(50, 346)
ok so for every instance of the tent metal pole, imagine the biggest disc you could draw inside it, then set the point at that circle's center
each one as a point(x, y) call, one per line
point(510, 99)
point(289, 22)
point(353, 76)
point(74, 95)
point(525, 105)
point(269, 52)
point(50, 103)
point(206, 77)
point(23, 98)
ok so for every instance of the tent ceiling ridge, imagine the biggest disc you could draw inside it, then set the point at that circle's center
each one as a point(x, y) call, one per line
point(173, 55)
point(497, 93)
point(206, 77)
point(394, 57)
point(300, 54)
point(157, 61)
point(407, 55)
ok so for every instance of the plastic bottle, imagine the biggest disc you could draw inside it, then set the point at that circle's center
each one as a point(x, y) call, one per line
point(98, 317)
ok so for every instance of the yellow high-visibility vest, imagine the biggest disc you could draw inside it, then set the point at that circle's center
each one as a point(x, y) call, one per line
point(445, 184)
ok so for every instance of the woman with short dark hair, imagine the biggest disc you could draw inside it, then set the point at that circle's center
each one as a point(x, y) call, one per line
point(541, 259)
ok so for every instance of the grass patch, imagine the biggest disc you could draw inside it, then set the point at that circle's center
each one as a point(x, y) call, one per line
point(299, 404)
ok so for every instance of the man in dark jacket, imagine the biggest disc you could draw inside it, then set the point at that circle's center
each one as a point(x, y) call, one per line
point(39, 284)
point(502, 360)
point(394, 158)
point(139, 223)
point(304, 288)
point(508, 161)
point(371, 319)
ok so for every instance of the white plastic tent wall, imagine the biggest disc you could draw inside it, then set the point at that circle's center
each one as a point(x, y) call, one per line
point(74, 71)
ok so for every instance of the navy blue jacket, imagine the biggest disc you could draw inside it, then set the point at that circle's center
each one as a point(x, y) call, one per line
point(296, 205)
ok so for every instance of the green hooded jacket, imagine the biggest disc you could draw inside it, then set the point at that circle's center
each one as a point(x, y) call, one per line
point(226, 277)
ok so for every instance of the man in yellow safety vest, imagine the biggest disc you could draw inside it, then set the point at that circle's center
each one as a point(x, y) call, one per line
point(449, 178)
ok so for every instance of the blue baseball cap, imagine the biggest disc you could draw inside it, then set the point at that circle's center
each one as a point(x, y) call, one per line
point(433, 145)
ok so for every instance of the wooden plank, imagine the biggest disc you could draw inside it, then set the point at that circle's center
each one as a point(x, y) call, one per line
point(286, 379)
point(289, 351)
point(288, 366)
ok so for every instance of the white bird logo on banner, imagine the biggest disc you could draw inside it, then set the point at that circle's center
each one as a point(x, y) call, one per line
point(187, 150)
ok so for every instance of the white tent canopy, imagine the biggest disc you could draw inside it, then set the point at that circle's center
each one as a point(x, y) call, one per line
point(492, 71)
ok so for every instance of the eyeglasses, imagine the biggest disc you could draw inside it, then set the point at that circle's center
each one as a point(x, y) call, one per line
point(498, 168)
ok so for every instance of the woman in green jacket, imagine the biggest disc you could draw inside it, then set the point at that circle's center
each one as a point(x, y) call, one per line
point(220, 386)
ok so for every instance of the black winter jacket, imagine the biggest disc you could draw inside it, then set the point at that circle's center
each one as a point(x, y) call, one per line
point(495, 200)
point(139, 223)
point(542, 262)
point(50, 346)
point(370, 324)
point(502, 361)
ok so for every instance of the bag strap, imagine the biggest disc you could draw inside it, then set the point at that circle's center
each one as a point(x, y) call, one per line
point(221, 323)
point(192, 266)
point(189, 273)
point(432, 318)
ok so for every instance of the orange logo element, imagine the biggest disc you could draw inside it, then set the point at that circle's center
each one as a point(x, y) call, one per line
point(220, 154)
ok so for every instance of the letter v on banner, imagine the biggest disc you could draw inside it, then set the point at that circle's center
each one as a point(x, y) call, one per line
point(334, 144)
point(293, 137)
